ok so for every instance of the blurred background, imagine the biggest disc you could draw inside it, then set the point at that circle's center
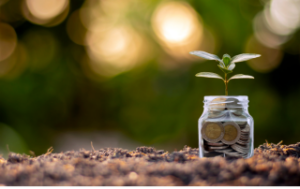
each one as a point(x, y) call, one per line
point(119, 72)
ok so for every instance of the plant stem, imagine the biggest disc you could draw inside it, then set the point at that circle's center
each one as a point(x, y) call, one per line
point(226, 85)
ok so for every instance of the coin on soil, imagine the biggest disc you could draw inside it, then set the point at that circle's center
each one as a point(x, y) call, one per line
point(212, 131)
point(231, 133)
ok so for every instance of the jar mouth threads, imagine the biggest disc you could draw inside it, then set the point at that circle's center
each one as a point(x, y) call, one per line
point(219, 103)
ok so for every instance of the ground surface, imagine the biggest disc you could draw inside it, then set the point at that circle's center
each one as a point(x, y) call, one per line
point(272, 164)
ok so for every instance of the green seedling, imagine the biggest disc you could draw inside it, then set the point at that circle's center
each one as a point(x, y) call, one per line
point(226, 64)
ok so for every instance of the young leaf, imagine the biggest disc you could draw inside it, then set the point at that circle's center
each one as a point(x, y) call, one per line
point(225, 70)
point(241, 76)
point(209, 75)
point(244, 57)
point(206, 55)
point(226, 59)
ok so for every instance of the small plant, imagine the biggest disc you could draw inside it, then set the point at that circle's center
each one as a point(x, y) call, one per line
point(227, 64)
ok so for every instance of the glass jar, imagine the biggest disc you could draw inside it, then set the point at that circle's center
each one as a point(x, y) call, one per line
point(226, 127)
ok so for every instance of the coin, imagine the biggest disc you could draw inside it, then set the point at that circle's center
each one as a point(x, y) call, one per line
point(235, 154)
point(244, 136)
point(233, 105)
point(215, 114)
point(217, 147)
point(217, 104)
point(212, 154)
point(243, 142)
point(215, 143)
point(240, 148)
point(231, 133)
point(212, 131)
point(240, 120)
point(227, 150)
point(246, 129)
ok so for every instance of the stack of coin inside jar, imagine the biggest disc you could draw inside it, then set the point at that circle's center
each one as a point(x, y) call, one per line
point(225, 132)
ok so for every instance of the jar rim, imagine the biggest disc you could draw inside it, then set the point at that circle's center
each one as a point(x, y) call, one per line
point(242, 100)
point(239, 97)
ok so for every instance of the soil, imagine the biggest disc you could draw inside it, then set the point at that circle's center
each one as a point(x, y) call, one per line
point(271, 165)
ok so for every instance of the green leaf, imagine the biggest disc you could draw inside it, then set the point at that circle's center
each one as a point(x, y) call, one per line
point(244, 57)
point(226, 59)
point(209, 75)
point(241, 76)
point(225, 70)
point(206, 55)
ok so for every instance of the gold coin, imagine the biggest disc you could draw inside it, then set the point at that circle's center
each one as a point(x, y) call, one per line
point(217, 104)
point(231, 133)
point(212, 131)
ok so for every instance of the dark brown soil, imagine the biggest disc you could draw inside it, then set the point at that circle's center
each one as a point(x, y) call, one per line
point(271, 165)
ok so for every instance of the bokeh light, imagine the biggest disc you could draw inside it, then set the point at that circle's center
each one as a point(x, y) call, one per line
point(264, 35)
point(285, 14)
point(45, 12)
point(270, 60)
point(8, 40)
point(114, 49)
point(279, 19)
point(178, 28)
point(46, 9)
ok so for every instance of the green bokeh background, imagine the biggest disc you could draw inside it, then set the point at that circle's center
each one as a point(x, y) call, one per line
point(147, 104)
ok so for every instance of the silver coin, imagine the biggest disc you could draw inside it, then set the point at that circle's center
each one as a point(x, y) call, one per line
point(224, 150)
point(242, 142)
point(232, 103)
point(242, 146)
point(246, 129)
point(215, 143)
point(234, 154)
point(231, 133)
point(244, 137)
point(216, 114)
point(217, 147)
point(240, 149)
point(212, 154)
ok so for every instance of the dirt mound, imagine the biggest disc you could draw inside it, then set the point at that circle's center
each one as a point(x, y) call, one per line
point(272, 164)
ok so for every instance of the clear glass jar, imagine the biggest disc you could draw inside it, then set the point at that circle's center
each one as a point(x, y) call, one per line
point(226, 127)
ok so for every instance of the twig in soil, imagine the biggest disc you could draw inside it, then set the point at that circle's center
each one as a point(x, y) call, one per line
point(279, 142)
point(93, 149)
point(32, 153)
point(49, 151)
